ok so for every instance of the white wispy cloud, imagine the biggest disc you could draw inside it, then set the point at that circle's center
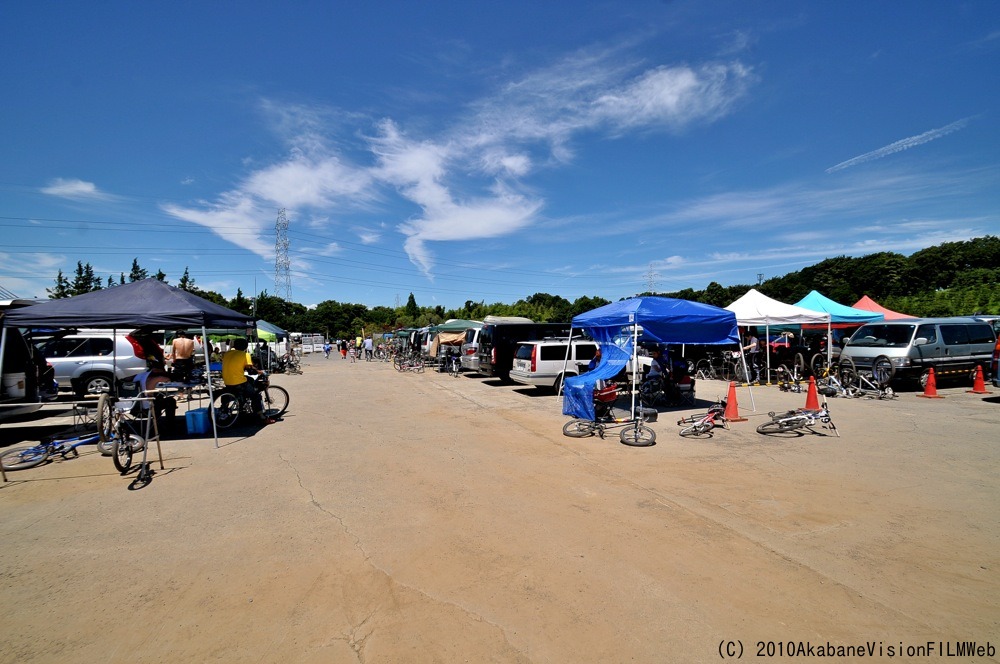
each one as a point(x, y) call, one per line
point(471, 180)
point(75, 189)
point(900, 145)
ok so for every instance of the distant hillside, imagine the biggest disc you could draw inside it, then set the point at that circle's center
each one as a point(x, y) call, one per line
point(949, 279)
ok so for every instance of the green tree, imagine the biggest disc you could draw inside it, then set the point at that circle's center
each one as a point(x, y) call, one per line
point(186, 283)
point(137, 273)
point(412, 310)
point(62, 288)
point(84, 281)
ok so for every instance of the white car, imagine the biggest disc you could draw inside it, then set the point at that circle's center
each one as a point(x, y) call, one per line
point(544, 363)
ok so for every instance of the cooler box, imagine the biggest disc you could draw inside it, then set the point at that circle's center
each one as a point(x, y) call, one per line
point(198, 422)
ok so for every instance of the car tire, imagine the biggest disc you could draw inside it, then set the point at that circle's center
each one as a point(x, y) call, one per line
point(94, 384)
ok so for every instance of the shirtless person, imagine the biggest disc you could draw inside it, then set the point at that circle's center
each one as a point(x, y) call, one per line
point(182, 352)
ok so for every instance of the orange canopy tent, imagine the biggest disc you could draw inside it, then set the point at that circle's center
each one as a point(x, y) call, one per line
point(869, 304)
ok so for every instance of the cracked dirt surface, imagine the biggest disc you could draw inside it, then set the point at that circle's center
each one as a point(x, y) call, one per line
point(424, 518)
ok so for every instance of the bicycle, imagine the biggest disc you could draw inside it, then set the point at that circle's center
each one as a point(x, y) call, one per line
point(454, 364)
point(872, 383)
point(412, 362)
point(20, 458)
point(290, 363)
point(699, 425)
point(122, 433)
point(794, 420)
point(789, 379)
point(633, 432)
point(231, 404)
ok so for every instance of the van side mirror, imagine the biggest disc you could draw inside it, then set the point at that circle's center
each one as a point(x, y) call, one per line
point(843, 342)
point(920, 341)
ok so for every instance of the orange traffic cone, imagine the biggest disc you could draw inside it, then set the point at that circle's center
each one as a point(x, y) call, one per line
point(812, 396)
point(979, 385)
point(732, 413)
point(930, 390)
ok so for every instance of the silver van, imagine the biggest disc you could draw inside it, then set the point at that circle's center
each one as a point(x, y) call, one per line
point(89, 361)
point(470, 350)
point(953, 347)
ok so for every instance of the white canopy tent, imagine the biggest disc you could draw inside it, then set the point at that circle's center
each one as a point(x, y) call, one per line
point(755, 308)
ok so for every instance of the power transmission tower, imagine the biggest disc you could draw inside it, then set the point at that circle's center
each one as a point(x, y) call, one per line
point(651, 277)
point(282, 266)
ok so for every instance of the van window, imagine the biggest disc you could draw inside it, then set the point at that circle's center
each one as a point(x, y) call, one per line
point(523, 352)
point(981, 334)
point(890, 336)
point(586, 352)
point(65, 348)
point(954, 335)
point(928, 332)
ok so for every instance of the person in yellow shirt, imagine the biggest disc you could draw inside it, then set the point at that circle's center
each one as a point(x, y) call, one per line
point(236, 363)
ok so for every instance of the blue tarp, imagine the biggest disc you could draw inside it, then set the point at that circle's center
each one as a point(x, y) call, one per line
point(839, 313)
point(663, 320)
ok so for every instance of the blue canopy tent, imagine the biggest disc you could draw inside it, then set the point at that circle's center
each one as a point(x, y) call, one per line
point(616, 327)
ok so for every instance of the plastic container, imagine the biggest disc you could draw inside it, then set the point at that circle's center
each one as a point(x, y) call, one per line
point(198, 422)
point(13, 385)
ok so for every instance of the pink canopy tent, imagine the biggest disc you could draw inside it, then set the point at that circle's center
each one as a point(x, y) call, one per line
point(869, 304)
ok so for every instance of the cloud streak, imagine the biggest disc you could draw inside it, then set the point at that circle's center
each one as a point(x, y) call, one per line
point(75, 189)
point(900, 145)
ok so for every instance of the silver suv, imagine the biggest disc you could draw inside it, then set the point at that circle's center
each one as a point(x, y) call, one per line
point(541, 363)
point(87, 361)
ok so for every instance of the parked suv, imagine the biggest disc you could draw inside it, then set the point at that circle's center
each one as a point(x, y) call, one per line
point(87, 361)
point(544, 363)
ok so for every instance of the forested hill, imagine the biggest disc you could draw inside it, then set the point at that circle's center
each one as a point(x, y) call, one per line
point(949, 279)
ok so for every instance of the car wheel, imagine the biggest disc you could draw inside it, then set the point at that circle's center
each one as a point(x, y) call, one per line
point(94, 384)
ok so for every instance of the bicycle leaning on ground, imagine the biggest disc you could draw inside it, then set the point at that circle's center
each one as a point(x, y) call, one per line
point(803, 418)
point(230, 404)
point(20, 458)
point(872, 382)
point(700, 425)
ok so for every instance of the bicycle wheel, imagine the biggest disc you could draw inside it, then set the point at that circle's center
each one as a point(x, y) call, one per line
point(638, 436)
point(819, 365)
point(275, 400)
point(578, 428)
point(228, 410)
point(705, 370)
point(105, 424)
point(799, 367)
point(739, 372)
point(778, 426)
point(848, 374)
point(882, 371)
point(20, 458)
point(122, 449)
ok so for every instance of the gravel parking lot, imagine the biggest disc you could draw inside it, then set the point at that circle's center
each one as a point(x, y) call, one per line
point(424, 518)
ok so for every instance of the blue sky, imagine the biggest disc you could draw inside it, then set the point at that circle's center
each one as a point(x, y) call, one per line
point(488, 151)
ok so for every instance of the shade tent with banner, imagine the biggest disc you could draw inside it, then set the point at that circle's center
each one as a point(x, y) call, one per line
point(147, 303)
point(618, 327)
point(869, 304)
point(839, 313)
point(757, 309)
point(449, 333)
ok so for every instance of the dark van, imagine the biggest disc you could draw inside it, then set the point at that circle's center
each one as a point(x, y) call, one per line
point(498, 341)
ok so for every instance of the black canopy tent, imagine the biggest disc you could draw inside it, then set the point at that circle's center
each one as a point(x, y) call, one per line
point(147, 303)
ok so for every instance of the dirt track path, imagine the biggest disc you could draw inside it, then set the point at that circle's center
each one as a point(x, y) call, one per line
point(412, 518)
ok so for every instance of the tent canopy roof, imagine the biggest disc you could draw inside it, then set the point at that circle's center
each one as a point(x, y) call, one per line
point(146, 303)
point(839, 313)
point(755, 308)
point(455, 325)
point(869, 304)
point(665, 320)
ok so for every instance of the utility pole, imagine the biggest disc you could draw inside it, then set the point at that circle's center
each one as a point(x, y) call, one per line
point(760, 278)
point(651, 280)
point(282, 266)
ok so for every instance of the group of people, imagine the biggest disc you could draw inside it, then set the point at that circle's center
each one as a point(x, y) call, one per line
point(351, 349)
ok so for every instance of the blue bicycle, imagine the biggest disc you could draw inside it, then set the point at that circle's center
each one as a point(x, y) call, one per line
point(20, 458)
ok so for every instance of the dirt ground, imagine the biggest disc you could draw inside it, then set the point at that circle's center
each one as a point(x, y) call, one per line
point(424, 518)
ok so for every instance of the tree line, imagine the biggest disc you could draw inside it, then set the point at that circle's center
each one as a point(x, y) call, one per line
point(949, 279)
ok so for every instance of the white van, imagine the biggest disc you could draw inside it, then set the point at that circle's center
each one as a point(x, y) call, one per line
point(470, 350)
point(953, 347)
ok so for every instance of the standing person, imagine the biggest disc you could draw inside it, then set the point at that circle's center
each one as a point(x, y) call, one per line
point(751, 347)
point(350, 351)
point(236, 363)
point(368, 349)
point(182, 353)
point(343, 349)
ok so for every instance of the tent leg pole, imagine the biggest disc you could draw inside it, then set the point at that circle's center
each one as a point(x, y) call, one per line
point(746, 371)
point(208, 378)
point(3, 348)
